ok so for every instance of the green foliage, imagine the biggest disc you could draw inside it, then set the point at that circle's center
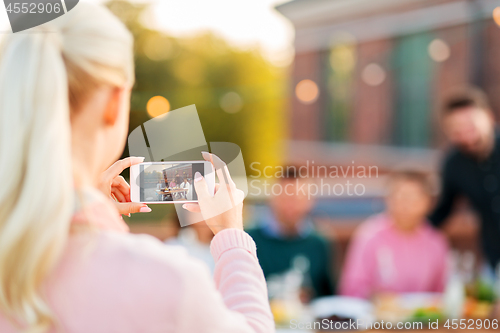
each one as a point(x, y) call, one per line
point(483, 291)
point(201, 70)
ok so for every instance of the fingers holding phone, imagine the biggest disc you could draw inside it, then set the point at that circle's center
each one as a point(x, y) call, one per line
point(115, 186)
point(223, 210)
point(191, 183)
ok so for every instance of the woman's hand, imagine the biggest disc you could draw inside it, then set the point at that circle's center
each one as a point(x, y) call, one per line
point(224, 209)
point(116, 187)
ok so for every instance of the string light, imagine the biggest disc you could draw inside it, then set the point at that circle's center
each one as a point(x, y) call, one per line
point(439, 51)
point(373, 74)
point(157, 106)
point(231, 102)
point(307, 91)
point(496, 15)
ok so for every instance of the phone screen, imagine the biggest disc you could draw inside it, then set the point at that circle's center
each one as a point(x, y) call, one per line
point(168, 181)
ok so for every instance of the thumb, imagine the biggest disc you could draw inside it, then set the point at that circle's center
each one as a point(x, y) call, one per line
point(192, 207)
point(126, 208)
point(200, 185)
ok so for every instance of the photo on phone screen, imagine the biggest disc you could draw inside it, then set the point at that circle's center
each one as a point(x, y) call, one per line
point(168, 181)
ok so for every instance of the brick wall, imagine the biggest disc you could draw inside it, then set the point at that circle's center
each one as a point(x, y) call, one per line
point(491, 74)
point(454, 72)
point(372, 112)
point(304, 118)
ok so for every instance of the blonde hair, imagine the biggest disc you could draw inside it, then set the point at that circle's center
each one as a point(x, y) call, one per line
point(45, 74)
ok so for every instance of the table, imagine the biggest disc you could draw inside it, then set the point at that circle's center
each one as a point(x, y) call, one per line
point(176, 192)
point(173, 192)
point(164, 193)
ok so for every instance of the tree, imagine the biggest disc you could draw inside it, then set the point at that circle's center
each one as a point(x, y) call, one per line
point(239, 95)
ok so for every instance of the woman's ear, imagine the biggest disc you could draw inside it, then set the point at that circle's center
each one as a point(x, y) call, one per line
point(113, 106)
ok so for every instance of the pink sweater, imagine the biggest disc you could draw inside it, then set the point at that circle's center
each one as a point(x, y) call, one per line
point(111, 281)
point(381, 258)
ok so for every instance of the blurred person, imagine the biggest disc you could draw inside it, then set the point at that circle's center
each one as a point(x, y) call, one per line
point(67, 261)
point(185, 186)
point(397, 250)
point(189, 194)
point(184, 183)
point(472, 166)
point(287, 233)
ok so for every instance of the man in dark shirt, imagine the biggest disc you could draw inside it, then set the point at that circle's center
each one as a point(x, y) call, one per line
point(472, 166)
point(286, 239)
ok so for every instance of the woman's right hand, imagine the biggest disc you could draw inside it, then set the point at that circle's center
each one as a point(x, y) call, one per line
point(224, 210)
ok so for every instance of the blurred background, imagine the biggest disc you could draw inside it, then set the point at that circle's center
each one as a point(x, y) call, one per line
point(231, 59)
point(325, 82)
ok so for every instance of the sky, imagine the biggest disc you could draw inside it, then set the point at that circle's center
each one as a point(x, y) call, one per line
point(243, 23)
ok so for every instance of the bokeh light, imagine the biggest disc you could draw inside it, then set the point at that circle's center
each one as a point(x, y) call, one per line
point(343, 58)
point(157, 106)
point(496, 15)
point(373, 74)
point(439, 50)
point(231, 102)
point(307, 91)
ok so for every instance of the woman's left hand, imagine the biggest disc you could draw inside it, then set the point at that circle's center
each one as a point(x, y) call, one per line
point(117, 188)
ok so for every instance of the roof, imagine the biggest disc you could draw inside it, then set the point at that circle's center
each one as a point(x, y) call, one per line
point(317, 12)
point(317, 22)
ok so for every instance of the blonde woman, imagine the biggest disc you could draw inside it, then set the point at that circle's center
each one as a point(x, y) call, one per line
point(67, 263)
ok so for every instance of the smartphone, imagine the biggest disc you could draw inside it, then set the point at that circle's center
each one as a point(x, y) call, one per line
point(168, 182)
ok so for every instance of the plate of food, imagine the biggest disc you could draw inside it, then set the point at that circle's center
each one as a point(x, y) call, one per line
point(343, 309)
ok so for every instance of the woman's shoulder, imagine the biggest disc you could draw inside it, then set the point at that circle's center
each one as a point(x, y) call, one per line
point(112, 241)
point(144, 251)
point(120, 262)
point(143, 280)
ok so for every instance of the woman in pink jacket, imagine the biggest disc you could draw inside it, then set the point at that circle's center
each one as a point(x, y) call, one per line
point(67, 263)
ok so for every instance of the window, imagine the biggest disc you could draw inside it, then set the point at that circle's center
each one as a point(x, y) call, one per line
point(340, 68)
point(412, 70)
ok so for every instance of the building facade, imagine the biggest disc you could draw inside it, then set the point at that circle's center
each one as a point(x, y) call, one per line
point(373, 72)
